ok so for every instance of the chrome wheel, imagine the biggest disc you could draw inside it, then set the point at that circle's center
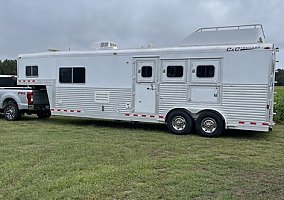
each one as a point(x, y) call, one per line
point(10, 112)
point(179, 123)
point(208, 125)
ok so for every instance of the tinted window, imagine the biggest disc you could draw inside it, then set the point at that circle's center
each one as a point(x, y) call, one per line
point(175, 71)
point(31, 70)
point(78, 75)
point(205, 71)
point(65, 75)
point(72, 75)
point(8, 81)
point(146, 71)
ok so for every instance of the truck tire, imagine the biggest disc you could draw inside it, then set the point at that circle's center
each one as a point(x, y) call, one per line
point(179, 123)
point(44, 115)
point(209, 124)
point(11, 111)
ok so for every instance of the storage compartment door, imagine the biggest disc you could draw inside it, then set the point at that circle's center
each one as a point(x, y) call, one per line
point(204, 94)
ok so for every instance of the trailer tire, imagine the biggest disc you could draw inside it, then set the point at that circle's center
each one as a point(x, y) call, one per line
point(209, 124)
point(44, 115)
point(11, 111)
point(179, 122)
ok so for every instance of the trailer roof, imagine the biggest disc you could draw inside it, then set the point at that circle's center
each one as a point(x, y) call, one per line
point(148, 51)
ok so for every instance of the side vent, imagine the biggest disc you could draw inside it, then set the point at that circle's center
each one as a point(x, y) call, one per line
point(101, 97)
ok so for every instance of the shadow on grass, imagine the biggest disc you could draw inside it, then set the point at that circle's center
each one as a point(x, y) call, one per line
point(75, 121)
point(83, 122)
point(242, 134)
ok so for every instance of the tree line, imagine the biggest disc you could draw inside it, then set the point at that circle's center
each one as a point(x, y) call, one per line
point(9, 67)
point(279, 77)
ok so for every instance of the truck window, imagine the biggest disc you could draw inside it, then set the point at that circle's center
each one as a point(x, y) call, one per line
point(31, 71)
point(205, 71)
point(72, 75)
point(175, 71)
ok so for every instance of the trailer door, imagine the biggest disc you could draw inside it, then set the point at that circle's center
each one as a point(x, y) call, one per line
point(205, 81)
point(145, 86)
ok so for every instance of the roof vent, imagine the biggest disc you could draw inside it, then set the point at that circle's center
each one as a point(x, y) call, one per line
point(103, 45)
point(53, 50)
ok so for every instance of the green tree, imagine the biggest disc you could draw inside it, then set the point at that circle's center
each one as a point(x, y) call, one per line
point(279, 77)
point(8, 67)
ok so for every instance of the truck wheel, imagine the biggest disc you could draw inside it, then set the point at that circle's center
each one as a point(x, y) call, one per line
point(209, 124)
point(11, 111)
point(44, 115)
point(179, 122)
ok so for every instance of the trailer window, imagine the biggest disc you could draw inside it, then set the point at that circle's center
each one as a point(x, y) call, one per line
point(72, 75)
point(31, 71)
point(78, 75)
point(205, 71)
point(175, 71)
point(65, 75)
point(146, 71)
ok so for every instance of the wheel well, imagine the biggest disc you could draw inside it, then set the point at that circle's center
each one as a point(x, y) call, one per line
point(7, 100)
point(178, 109)
point(213, 111)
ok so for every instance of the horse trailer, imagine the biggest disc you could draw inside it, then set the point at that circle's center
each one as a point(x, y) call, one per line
point(218, 78)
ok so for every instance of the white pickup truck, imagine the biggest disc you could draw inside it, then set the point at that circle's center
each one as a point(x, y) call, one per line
point(16, 101)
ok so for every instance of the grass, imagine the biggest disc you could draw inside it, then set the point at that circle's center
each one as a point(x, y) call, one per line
point(280, 90)
point(70, 158)
point(279, 104)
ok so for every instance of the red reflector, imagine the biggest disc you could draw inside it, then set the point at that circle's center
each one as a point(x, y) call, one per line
point(71, 110)
point(161, 117)
point(152, 116)
point(52, 109)
point(143, 115)
point(241, 122)
point(65, 110)
point(78, 111)
point(253, 123)
point(126, 114)
point(265, 124)
point(135, 115)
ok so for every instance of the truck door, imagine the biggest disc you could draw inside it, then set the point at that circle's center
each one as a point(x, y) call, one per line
point(205, 81)
point(145, 86)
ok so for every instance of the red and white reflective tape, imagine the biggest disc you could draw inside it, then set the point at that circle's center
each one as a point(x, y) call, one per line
point(254, 123)
point(27, 81)
point(64, 110)
point(144, 116)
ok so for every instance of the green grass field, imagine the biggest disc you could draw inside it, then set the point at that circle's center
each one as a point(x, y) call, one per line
point(70, 158)
point(280, 90)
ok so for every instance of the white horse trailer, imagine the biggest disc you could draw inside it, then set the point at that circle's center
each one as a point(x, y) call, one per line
point(219, 78)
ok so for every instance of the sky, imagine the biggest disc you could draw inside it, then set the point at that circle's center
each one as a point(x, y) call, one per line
point(37, 25)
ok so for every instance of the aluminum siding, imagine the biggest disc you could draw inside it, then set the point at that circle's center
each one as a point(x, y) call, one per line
point(245, 103)
point(171, 96)
point(84, 99)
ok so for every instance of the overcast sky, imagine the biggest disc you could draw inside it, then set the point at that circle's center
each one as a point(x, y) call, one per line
point(36, 25)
